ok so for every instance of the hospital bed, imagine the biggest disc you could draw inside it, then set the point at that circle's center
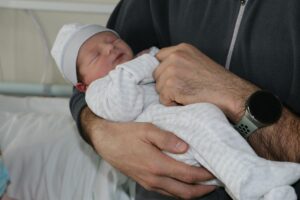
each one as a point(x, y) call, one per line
point(45, 155)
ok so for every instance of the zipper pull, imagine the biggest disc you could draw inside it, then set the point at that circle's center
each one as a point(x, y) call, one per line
point(243, 2)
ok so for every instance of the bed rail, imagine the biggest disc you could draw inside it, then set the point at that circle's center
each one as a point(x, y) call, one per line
point(31, 89)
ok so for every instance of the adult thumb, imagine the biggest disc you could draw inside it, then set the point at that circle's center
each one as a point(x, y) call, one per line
point(167, 141)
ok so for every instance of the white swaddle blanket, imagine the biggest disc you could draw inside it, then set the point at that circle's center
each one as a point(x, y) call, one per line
point(128, 94)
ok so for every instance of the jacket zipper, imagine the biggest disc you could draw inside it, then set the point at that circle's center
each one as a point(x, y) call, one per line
point(235, 32)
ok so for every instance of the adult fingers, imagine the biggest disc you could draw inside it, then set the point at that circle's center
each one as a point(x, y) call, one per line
point(187, 173)
point(165, 100)
point(168, 61)
point(166, 141)
point(182, 184)
point(165, 52)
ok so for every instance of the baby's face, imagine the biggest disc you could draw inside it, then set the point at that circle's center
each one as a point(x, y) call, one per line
point(100, 54)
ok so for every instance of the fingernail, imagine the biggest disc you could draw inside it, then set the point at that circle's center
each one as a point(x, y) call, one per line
point(181, 146)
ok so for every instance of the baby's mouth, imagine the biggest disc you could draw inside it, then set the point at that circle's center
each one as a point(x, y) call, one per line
point(118, 58)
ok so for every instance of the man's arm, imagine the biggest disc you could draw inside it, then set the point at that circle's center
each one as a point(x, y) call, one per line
point(280, 141)
point(77, 104)
point(203, 80)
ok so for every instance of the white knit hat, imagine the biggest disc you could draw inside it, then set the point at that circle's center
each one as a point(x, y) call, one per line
point(67, 44)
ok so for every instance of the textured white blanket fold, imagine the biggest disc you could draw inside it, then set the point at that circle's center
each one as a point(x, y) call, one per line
point(128, 93)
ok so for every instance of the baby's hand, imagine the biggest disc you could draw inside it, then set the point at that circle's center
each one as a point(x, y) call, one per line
point(152, 51)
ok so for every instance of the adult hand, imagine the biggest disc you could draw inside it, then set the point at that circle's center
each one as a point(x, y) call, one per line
point(136, 150)
point(186, 75)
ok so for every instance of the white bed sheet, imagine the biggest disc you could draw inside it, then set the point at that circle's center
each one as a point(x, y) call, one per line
point(46, 157)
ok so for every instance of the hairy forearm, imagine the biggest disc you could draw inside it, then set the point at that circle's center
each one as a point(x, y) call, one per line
point(280, 141)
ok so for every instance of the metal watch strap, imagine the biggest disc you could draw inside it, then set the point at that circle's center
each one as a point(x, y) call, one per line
point(245, 127)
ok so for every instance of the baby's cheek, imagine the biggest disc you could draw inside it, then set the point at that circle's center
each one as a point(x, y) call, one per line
point(106, 70)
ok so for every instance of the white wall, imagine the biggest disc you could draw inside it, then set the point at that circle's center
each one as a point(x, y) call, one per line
point(22, 51)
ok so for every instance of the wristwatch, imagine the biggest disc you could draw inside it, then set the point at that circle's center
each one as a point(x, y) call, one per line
point(262, 109)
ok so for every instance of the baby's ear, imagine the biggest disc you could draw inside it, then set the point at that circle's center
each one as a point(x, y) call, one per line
point(81, 87)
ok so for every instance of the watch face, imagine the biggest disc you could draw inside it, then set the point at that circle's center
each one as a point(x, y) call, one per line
point(265, 107)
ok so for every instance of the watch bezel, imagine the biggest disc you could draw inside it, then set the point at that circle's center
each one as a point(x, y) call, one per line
point(263, 108)
point(250, 122)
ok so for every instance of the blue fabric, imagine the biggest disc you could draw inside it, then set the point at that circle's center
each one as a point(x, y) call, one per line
point(4, 178)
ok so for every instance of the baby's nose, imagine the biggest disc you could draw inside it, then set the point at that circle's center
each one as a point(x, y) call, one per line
point(107, 48)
